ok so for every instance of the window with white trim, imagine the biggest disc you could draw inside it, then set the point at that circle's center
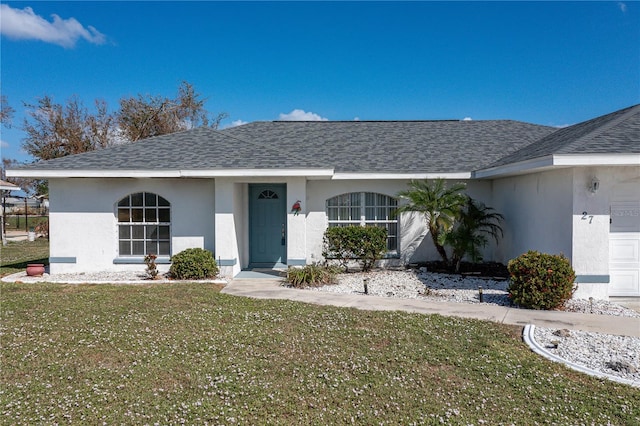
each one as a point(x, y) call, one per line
point(366, 209)
point(144, 225)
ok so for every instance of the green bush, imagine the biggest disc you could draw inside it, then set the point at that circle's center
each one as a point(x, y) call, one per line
point(540, 280)
point(193, 264)
point(313, 275)
point(366, 244)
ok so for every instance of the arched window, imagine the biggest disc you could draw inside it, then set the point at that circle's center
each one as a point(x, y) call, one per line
point(144, 225)
point(366, 208)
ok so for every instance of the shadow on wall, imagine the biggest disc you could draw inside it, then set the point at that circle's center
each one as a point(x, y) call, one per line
point(415, 243)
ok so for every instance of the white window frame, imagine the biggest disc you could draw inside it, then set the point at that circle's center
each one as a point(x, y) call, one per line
point(153, 209)
point(356, 202)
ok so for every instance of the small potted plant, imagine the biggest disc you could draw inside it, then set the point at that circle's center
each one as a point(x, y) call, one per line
point(35, 269)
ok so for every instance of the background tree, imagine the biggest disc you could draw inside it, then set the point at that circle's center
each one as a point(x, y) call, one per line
point(475, 224)
point(55, 130)
point(6, 112)
point(146, 116)
point(440, 205)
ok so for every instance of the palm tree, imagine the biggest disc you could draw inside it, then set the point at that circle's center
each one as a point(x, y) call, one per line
point(440, 204)
point(476, 223)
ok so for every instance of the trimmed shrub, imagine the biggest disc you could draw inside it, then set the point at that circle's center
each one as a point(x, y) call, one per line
point(365, 244)
point(193, 264)
point(313, 275)
point(540, 280)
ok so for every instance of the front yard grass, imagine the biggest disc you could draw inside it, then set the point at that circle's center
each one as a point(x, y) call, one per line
point(185, 353)
point(16, 254)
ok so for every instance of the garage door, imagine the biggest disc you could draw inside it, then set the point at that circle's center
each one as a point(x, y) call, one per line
point(624, 249)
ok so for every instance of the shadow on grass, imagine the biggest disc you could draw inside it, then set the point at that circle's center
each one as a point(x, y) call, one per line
point(23, 265)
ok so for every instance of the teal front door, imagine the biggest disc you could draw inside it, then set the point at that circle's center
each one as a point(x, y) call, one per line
point(267, 225)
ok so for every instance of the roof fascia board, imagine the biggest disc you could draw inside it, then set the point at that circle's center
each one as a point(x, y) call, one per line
point(560, 160)
point(400, 176)
point(257, 173)
point(596, 160)
point(515, 168)
point(45, 174)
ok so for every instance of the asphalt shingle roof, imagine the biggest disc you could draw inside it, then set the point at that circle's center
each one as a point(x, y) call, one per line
point(614, 133)
point(363, 146)
point(353, 146)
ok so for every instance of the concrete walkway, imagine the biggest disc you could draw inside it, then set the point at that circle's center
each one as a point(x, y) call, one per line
point(272, 289)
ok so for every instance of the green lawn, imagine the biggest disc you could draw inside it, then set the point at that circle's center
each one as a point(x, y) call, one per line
point(184, 353)
point(16, 254)
point(18, 222)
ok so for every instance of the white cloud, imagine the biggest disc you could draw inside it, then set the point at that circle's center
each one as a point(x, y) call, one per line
point(623, 7)
point(4, 144)
point(26, 25)
point(301, 115)
point(356, 119)
point(236, 123)
point(467, 119)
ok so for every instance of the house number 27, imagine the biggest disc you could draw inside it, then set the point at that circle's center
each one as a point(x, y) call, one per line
point(586, 216)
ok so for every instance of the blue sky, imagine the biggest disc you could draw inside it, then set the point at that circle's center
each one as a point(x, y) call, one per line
point(551, 63)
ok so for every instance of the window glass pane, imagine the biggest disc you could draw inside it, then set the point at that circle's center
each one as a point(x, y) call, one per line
point(123, 215)
point(124, 202)
point(355, 213)
point(382, 213)
point(343, 213)
point(151, 215)
point(152, 247)
point(392, 229)
point(370, 199)
point(370, 213)
point(355, 198)
point(164, 215)
point(163, 232)
point(332, 213)
point(136, 199)
point(149, 199)
point(137, 232)
point(152, 232)
point(137, 215)
point(162, 202)
point(137, 248)
point(392, 244)
point(163, 248)
point(125, 232)
point(125, 248)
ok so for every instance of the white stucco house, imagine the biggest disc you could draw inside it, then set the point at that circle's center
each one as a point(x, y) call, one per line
point(574, 191)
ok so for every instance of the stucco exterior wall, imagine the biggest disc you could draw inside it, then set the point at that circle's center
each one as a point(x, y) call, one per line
point(83, 222)
point(538, 212)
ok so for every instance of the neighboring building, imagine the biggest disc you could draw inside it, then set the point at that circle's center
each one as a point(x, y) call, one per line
point(574, 191)
point(14, 205)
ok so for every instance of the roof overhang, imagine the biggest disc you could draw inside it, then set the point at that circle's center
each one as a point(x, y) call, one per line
point(213, 173)
point(8, 186)
point(400, 176)
point(558, 161)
